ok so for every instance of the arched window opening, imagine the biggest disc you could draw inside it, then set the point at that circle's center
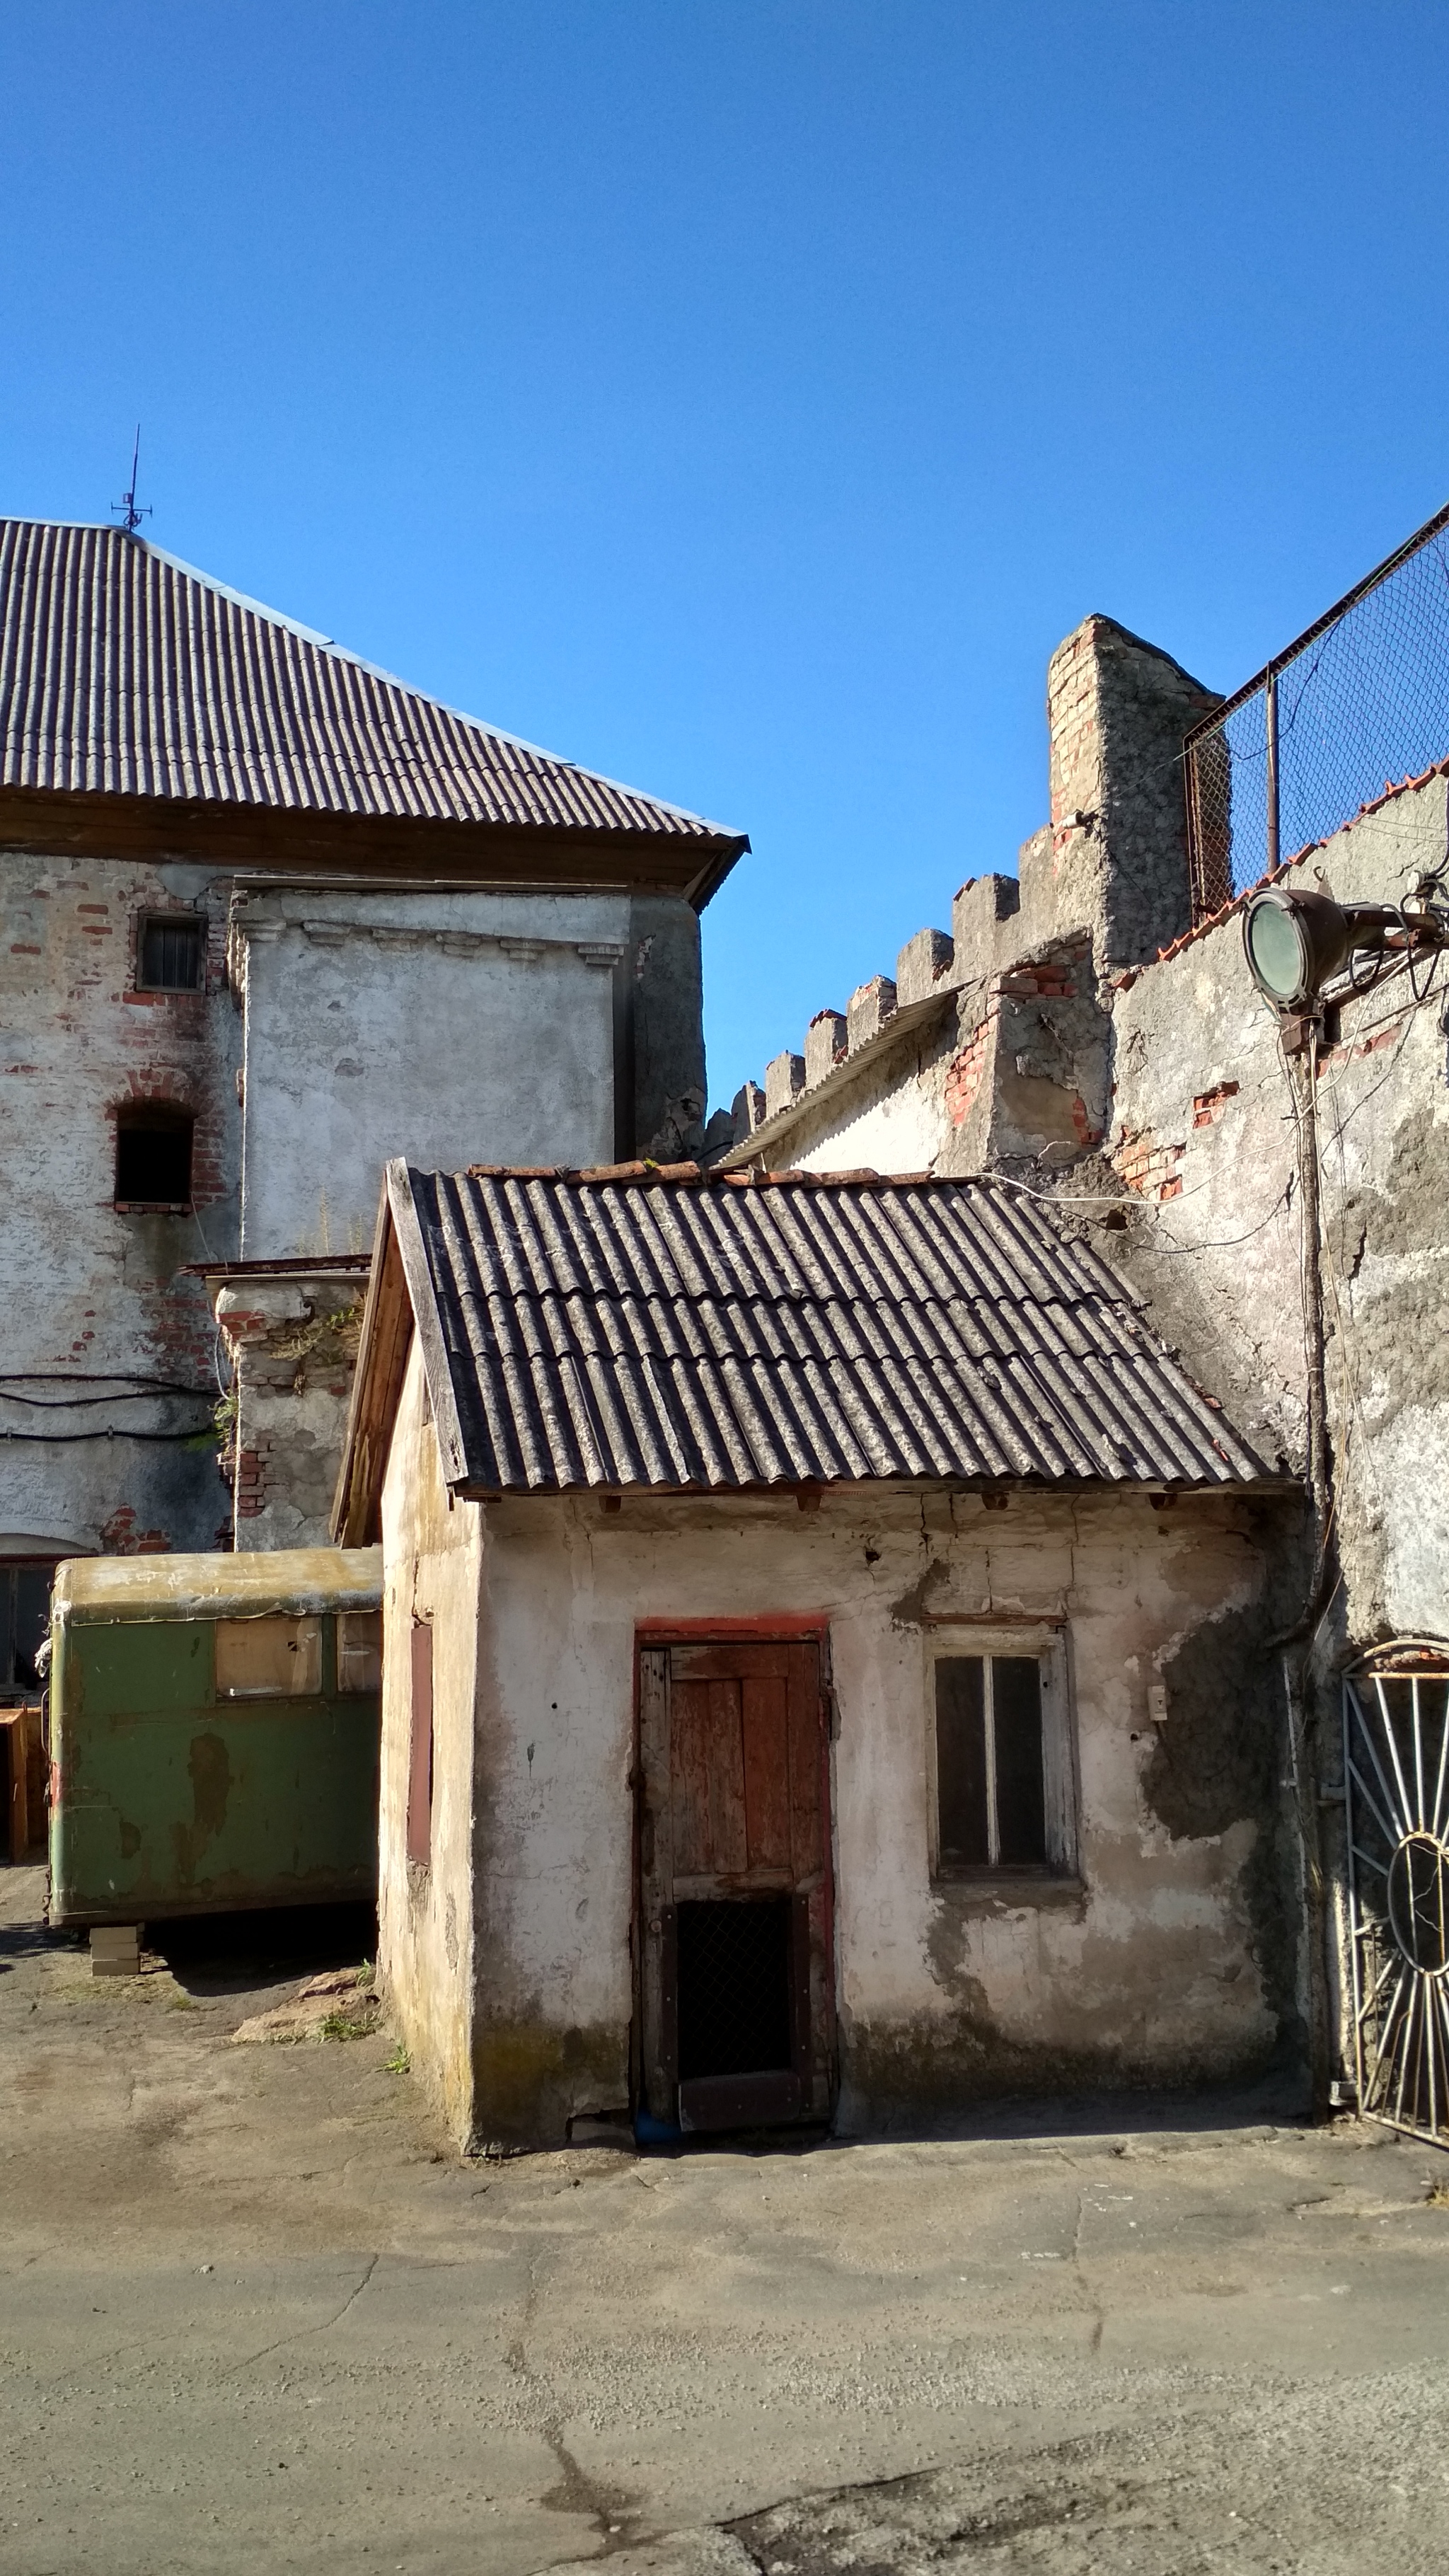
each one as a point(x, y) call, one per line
point(153, 1155)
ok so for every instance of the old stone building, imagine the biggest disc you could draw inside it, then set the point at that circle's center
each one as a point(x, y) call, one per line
point(270, 916)
point(1274, 1191)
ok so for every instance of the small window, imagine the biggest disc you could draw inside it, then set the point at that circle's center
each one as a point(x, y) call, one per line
point(268, 1658)
point(171, 953)
point(153, 1157)
point(1002, 1767)
point(359, 1650)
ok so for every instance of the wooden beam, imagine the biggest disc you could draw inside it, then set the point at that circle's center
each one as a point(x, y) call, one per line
point(382, 1358)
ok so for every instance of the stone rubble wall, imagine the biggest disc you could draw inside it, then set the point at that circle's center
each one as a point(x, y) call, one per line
point(292, 1344)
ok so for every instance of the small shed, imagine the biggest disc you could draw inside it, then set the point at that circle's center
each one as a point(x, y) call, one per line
point(826, 1668)
point(213, 1733)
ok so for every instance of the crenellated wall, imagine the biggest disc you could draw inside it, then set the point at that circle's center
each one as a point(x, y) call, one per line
point(999, 1028)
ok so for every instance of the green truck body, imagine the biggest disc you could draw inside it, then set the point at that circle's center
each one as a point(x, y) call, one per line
point(214, 1729)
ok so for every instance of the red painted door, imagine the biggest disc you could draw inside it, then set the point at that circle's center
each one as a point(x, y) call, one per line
point(737, 1995)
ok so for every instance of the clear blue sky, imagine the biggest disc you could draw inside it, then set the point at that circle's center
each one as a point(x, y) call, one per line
point(744, 398)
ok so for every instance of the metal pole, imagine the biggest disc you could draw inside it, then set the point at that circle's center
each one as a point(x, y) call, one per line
point(1270, 688)
point(1305, 1766)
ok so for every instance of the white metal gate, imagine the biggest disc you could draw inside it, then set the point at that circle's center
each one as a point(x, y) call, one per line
point(1396, 1775)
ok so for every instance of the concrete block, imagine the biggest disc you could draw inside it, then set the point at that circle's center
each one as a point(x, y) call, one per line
point(825, 1043)
point(923, 963)
point(784, 1081)
point(116, 1950)
point(748, 1109)
point(868, 1009)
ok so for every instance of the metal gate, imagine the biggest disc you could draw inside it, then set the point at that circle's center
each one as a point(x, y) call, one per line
point(1396, 1774)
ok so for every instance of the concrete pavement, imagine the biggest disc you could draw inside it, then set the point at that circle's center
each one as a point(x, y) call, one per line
point(253, 2318)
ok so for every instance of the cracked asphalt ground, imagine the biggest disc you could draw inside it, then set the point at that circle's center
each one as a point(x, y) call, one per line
point(253, 2318)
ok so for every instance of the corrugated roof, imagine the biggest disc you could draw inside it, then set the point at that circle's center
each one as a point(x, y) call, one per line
point(716, 1336)
point(125, 673)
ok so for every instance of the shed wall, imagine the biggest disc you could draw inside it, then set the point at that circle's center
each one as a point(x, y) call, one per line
point(1167, 1964)
point(432, 1561)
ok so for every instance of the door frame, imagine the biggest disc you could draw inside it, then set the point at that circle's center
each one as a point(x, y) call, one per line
point(779, 1629)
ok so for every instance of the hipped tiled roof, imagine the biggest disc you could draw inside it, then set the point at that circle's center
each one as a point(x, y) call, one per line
point(710, 1335)
point(125, 673)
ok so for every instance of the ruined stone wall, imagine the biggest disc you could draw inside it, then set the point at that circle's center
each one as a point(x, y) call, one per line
point(1155, 1086)
point(1204, 1137)
point(1161, 1962)
point(100, 1320)
point(1015, 1063)
point(291, 1343)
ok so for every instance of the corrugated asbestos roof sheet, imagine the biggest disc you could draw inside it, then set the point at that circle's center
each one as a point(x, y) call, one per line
point(125, 673)
point(716, 1336)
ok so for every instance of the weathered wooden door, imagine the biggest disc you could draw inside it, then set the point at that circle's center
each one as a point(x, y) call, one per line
point(737, 1980)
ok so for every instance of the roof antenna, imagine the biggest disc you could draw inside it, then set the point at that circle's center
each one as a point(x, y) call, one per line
point(131, 517)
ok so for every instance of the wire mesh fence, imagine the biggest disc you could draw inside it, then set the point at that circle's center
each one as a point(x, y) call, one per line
point(1358, 702)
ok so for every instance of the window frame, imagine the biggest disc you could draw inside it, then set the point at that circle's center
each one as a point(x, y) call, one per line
point(1046, 1643)
point(175, 920)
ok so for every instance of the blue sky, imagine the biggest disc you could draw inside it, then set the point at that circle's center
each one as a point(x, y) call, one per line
point(744, 398)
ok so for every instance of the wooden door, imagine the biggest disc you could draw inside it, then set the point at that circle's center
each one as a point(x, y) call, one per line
point(736, 1968)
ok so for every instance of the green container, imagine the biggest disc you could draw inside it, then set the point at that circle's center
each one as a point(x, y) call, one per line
point(214, 1728)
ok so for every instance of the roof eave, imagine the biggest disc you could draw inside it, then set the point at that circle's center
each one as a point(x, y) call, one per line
point(785, 1489)
point(284, 839)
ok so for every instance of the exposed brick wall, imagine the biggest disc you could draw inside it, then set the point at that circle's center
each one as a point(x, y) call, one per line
point(1208, 1106)
point(968, 1070)
point(1147, 1167)
point(83, 1043)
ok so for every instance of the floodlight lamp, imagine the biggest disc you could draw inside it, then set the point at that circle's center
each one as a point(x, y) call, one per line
point(1294, 942)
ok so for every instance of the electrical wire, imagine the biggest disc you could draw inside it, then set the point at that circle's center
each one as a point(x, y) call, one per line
point(68, 1439)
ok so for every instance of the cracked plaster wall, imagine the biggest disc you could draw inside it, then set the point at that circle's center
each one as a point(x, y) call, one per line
point(1160, 1967)
point(1198, 1072)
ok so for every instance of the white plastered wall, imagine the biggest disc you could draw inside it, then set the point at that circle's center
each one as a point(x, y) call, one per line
point(432, 1570)
point(448, 1028)
point(1151, 1970)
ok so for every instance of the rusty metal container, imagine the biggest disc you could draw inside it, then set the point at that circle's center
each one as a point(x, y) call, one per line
point(214, 1729)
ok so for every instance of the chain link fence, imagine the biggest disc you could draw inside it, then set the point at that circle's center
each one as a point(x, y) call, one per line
point(1360, 701)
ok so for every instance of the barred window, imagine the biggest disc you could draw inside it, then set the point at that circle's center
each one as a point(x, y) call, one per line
point(1003, 1770)
point(171, 953)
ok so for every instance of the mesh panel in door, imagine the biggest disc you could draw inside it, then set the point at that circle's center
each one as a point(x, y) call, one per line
point(734, 1986)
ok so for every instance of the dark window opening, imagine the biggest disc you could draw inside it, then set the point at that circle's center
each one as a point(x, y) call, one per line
point(172, 953)
point(24, 1618)
point(153, 1157)
point(990, 1766)
point(734, 1986)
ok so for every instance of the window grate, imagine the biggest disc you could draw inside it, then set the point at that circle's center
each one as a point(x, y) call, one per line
point(172, 954)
